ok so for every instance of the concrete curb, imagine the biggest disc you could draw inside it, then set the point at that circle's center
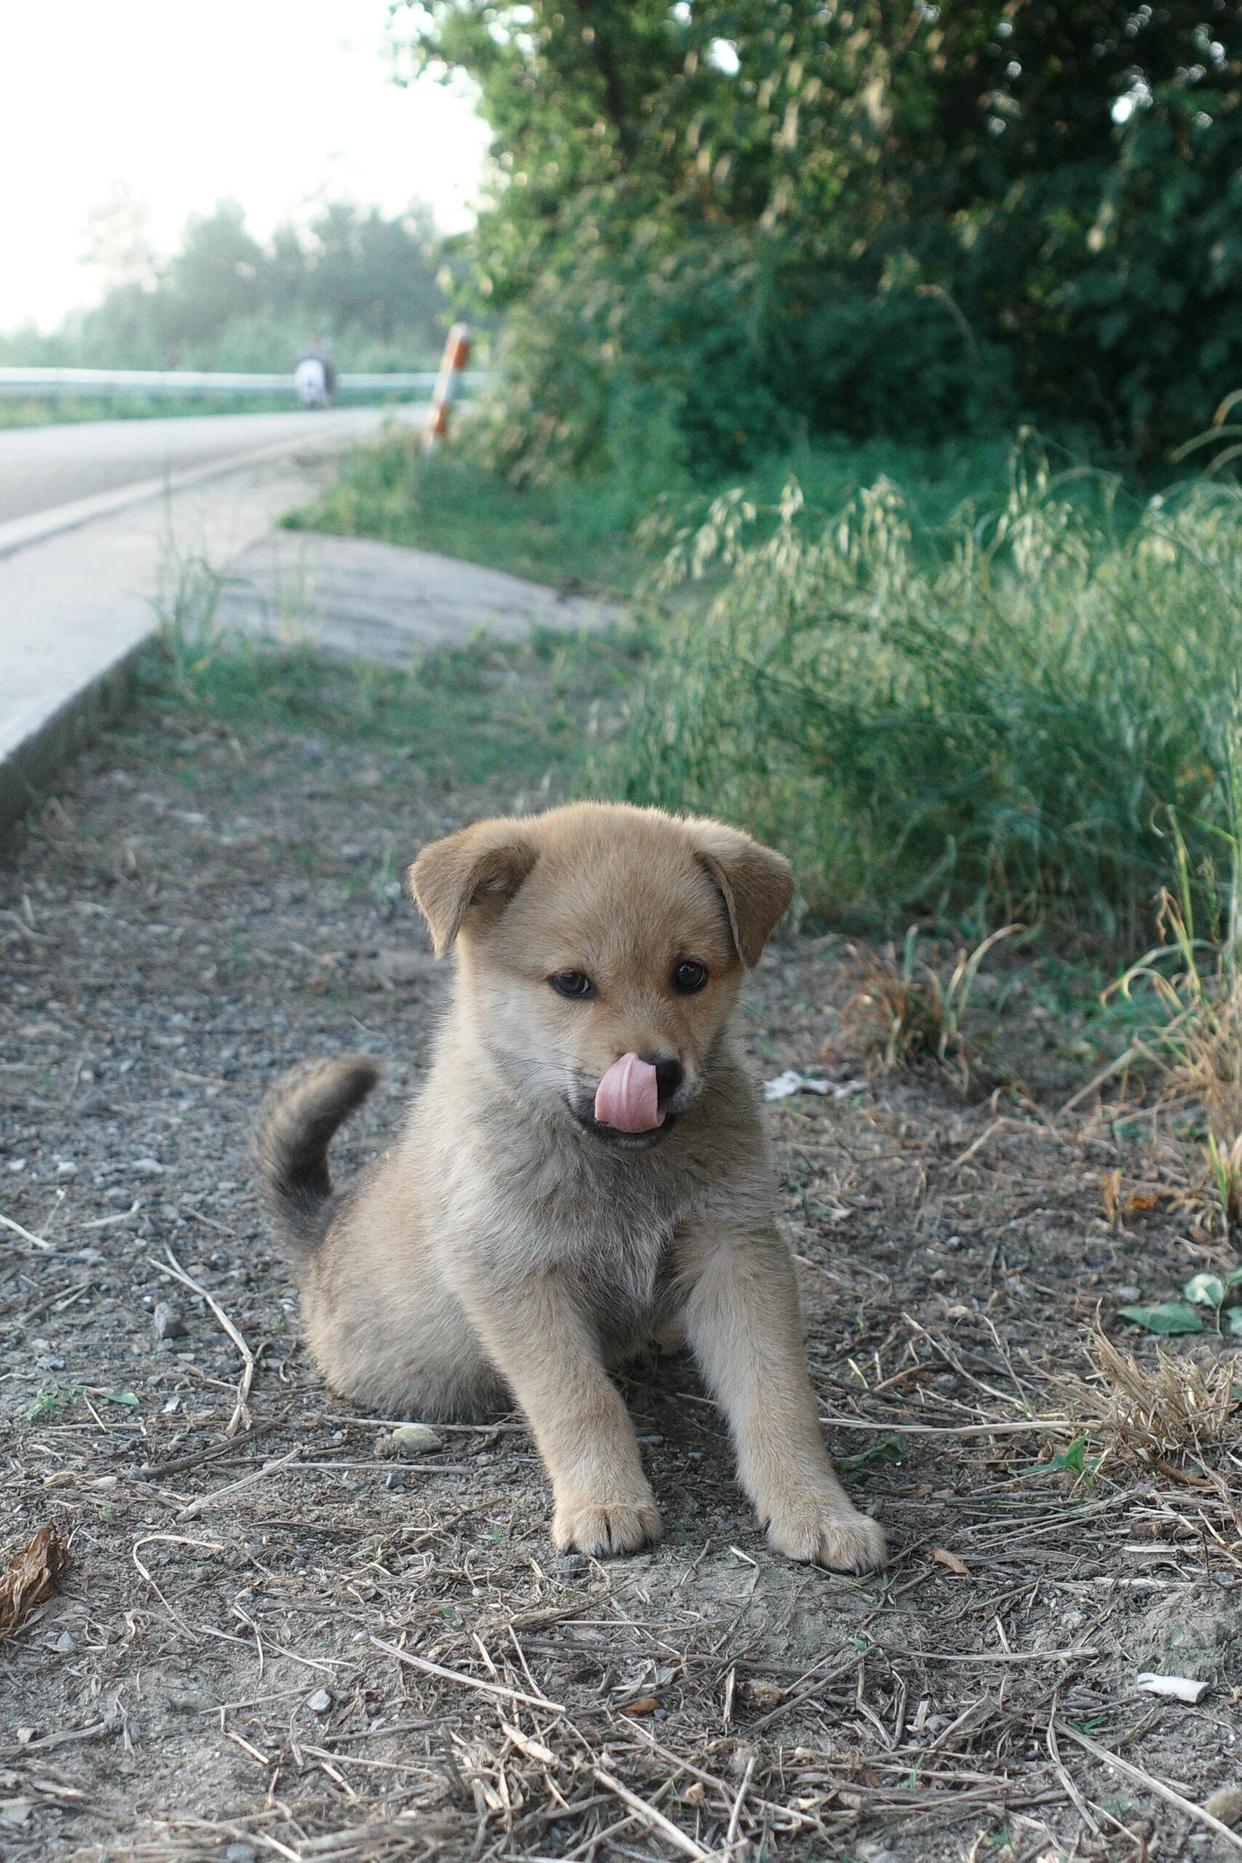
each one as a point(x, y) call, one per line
point(27, 766)
point(87, 635)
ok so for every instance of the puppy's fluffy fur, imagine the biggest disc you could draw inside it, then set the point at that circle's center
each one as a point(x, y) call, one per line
point(509, 1246)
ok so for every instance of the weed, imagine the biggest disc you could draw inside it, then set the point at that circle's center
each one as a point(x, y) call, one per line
point(190, 636)
point(48, 1403)
point(1074, 1461)
point(1196, 985)
point(906, 1013)
point(1225, 1163)
point(564, 534)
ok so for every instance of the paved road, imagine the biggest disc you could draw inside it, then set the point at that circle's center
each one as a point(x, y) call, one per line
point(42, 467)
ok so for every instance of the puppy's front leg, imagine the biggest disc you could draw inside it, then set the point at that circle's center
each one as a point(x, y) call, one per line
point(547, 1349)
point(743, 1324)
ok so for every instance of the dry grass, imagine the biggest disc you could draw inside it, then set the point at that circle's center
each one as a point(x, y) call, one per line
point(904, 1011)
point(1183, 1407)
point(1198, 1047)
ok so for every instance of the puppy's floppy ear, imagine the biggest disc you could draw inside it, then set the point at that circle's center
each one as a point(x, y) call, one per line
point(481, 866)
point(755, 882)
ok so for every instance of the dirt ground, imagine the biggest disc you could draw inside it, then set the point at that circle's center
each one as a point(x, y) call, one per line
point(270, 1639)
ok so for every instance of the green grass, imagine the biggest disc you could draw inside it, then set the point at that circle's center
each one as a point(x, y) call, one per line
point(999, 717)
point(960, 688)
point(588, 535)
point(515, 719)
point(563, 535)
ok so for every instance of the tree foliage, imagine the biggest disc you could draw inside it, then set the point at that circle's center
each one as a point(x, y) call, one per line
point(226, 299)
point(716, 220)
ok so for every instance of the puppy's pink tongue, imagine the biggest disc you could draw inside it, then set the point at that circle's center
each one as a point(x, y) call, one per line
point(628, 1096)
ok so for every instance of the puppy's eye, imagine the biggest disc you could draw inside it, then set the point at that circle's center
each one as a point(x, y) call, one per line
point(689, 976)
point(573, 983)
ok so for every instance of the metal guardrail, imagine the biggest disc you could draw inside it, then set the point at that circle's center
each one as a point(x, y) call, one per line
point(174, 382)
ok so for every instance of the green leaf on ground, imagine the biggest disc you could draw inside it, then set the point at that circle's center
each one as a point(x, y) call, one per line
point(887, 1449)
point(1206, 1290)
point(1170, 1316)
point(123, 1397)
point(1073, 1461)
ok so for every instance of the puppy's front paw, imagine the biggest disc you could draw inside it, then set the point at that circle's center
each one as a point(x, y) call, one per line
point(827, 1530)
point(606, 1528)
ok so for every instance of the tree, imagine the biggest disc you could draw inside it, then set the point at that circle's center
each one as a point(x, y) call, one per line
point(861, 215)
point(227, 299)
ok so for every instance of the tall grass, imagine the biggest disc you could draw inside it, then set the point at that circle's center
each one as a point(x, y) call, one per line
point(997, 719)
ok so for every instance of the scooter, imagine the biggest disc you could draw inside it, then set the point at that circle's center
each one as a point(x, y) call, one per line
point(310, 382)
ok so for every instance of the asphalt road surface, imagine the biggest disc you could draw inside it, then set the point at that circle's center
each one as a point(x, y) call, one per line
point(42, 467)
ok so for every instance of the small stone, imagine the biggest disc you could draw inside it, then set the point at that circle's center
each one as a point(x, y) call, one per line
point(410, 1440)
point(570, 1562)
point(238, 1853)
point(147, 1167)
point(395, 1482)
point(167, 1321)
point(66, 1168)
point(319, 1702)
point(65, 1642)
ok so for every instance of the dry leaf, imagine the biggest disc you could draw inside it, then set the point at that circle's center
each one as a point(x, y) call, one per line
point(950, 1561)
point(1110, 1192)
point(30, 1577)
point(1180, 1687)
point(1142, 1200)
point(645, 1704)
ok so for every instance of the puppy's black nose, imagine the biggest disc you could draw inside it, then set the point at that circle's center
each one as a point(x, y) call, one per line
point(669, 1075)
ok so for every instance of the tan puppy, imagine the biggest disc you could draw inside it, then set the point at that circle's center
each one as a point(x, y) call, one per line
point(584, 1170)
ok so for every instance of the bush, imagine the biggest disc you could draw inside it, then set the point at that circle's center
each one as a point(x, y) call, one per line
point(644, 373)
point(901, 362)
point(686, 362)
point(998, 721)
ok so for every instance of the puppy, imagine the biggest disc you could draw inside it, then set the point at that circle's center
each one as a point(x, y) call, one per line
point(584, 1170)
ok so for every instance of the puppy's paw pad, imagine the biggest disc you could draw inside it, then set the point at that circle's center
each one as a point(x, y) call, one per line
point(829, 1533)
point(604, 1530)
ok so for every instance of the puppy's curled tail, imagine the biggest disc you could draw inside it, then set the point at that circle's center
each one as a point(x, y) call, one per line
point(294, 1131)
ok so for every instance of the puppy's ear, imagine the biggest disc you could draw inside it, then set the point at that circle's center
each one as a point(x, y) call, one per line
point(756, 884)
point(480, 867)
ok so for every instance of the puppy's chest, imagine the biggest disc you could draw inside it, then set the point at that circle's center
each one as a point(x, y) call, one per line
point(613, 1234)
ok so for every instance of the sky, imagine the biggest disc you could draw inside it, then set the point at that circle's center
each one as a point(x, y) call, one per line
point(267, 102)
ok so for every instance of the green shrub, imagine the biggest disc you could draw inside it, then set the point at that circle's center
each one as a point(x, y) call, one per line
point(901, 362)
point(682, 362)
point(996, 721)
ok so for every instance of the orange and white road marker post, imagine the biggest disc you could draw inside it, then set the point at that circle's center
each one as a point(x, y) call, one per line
point(456, 354)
